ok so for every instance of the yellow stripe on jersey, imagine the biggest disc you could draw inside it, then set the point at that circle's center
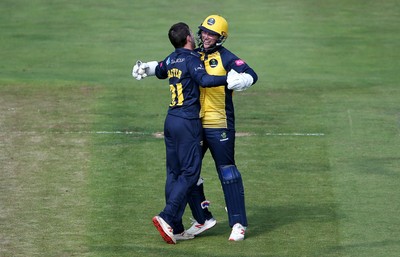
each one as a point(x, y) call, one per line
point(212, 99)
point(212, 111)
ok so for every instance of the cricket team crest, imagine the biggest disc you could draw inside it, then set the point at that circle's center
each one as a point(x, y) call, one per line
point(224, 137)
point(211, 21)
point(213, 63)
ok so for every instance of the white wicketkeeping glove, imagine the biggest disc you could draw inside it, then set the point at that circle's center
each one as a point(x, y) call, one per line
point(142, 69)
point(239, 81)
point(135, 70)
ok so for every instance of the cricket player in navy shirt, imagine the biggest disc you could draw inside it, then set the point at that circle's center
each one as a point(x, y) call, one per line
point(182, 127)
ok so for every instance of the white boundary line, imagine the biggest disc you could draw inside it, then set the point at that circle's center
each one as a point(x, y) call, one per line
point(296, 134)
point(156, 134)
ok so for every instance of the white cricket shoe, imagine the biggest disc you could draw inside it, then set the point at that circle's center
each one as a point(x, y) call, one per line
point(165, 230)
point(183, 236)
point(237, 233)
point(198, 228)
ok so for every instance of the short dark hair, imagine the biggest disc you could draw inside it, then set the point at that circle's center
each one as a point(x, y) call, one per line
point(178, 33)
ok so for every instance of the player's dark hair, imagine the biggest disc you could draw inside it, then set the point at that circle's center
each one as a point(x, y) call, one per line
point(178, 33)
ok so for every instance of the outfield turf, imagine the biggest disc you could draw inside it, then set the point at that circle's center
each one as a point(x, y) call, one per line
point(82, 170)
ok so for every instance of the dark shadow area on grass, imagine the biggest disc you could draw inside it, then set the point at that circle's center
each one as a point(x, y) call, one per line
point(361, 246)
point(162, 249)
point(379, 166)
point(265, 219)
point(140, 251)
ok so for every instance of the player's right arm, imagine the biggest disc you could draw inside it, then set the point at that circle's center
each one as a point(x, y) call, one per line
point(198, 72)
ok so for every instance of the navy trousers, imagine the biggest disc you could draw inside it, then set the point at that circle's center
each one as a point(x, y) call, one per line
point(183, 142)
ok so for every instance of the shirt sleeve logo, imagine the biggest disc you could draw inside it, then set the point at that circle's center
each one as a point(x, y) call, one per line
point(239, 62)
point(200, 67)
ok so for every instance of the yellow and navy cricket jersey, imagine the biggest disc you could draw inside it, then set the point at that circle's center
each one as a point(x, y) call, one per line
point(216, 103)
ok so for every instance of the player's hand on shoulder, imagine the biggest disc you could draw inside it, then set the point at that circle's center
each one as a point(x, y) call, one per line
point(233, 79)
point(238, 81)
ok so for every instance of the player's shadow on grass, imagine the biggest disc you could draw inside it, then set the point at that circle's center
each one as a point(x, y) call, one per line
point(266, 219)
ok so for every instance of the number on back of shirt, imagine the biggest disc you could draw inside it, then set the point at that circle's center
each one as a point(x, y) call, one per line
point(176, 95)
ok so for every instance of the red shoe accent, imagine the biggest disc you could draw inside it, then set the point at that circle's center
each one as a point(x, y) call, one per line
point(163, 234)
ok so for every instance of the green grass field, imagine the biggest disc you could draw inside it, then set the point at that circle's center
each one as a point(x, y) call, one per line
point(320, 144)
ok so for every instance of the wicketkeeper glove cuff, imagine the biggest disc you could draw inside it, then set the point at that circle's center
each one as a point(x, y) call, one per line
point(150, 68)
point(143, 69)
point(239, 81)
point(247, 81)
